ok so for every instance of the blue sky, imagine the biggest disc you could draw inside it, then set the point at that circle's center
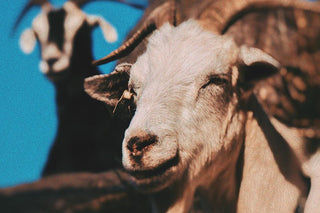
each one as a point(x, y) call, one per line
point(27, 106)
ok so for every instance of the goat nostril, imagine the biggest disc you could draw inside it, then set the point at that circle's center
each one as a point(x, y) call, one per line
point(136, 145)
point(131, 143)
point(51, 61)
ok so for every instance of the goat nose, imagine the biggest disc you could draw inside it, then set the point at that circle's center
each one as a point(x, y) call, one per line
point(140, 143)
point(51, 61)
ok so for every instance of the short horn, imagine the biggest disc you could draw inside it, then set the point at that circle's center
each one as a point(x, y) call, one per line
point(80, 3)
point(162, 14)
point(30, 4)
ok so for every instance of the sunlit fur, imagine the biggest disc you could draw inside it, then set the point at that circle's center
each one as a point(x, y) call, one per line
point(204, 124)
point(201, 125)
point(232, 156)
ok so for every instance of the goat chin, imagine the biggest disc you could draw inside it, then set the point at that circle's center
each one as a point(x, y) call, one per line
point(155, 180)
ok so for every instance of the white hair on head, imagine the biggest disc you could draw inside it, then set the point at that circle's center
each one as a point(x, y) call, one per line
point(187, 46)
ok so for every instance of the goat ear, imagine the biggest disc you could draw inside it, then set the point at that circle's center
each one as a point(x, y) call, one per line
point(109, 87)
point(28, 41)
point(109, 32)
point(255, 65)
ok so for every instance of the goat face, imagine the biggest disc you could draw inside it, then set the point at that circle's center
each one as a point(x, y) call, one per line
point(58, 30)
point(186, 90)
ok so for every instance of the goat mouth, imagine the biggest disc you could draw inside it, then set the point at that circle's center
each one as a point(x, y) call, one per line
point(155, 172)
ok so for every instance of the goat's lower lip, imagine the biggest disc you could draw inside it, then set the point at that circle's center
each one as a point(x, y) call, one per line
point(161, 169)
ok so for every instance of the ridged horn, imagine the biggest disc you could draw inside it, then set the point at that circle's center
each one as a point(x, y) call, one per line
point(162, 14)
point(80, 3)
point(27, 7)
point(220, 15)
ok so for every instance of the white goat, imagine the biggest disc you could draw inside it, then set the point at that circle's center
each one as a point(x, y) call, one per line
point(196, 126)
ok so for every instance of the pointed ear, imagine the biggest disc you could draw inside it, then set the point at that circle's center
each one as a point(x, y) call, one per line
point(110, 87)
point(28, 41)
point(109, 32)
point(255, 65)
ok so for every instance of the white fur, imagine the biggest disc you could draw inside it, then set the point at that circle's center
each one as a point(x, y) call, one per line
point(204, 125)
point(74, 19)
point(27, 41)
point(255, 54)
point(50, 51)
point(171, 104)
point(41, 25)
point(313, 167)
point(62, 64)
point(43, 66)
point(109, 32)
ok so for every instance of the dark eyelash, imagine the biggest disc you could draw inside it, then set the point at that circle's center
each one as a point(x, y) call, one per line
point(132, 91)
point(217, 80)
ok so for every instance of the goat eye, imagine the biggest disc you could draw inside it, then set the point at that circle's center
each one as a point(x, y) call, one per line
point(131, 90)
point(216, 80)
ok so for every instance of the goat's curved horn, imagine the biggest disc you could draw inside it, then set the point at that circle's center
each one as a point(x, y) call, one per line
point(30, 4)
point(162, 14)
point(221, 15)
point(129, 45)
point(80, 3)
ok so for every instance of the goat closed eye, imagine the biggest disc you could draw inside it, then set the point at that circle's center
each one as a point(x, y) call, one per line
point(216, 80)
point(132, 91)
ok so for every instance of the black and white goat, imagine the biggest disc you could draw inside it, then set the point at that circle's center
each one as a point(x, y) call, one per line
point(87, 138)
